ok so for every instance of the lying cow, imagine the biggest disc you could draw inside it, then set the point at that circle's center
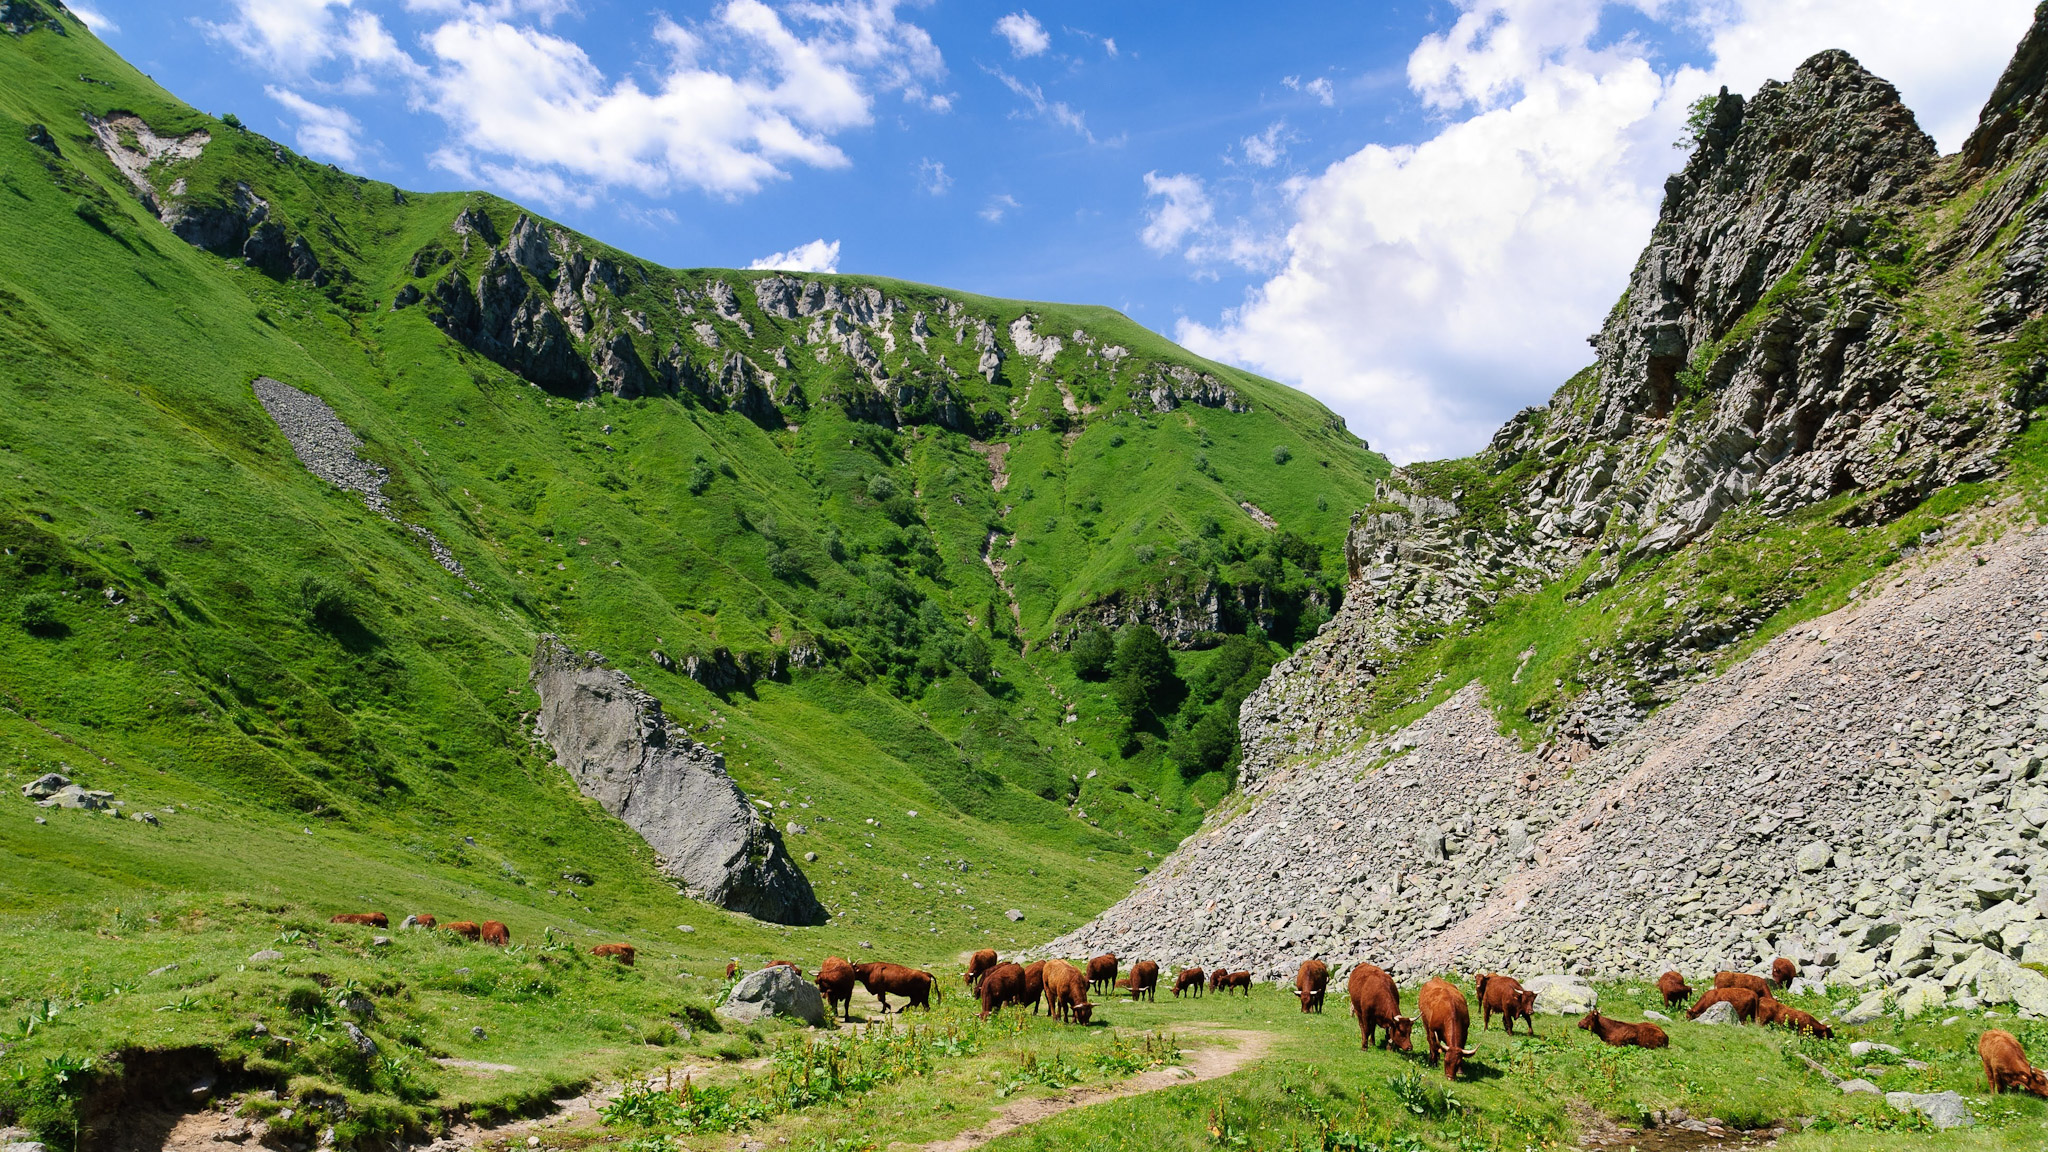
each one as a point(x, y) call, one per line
point(835, 982)
point(1505, 995)
point(1000, 985)
point(366, 919)
point(1676, 991)
point(1744, 1001)
point(1189, 981)
point(2005, 1064)
point(623, 953)
point(1066, 992)
point(1376, 1005)
point(492, 932)
point(884, 980)
point(1621, 1034)
point(467, 929)
point(1756, 984)
point(979, 963)
point(422, 920)
point(1102, 972)
point(1311, 981)
point(1446, 1018)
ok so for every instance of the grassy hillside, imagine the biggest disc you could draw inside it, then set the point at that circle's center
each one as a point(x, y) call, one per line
point(321, 717)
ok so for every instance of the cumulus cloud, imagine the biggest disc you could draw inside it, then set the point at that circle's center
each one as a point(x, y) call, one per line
point(1026, 35)
point(94, 19)
point(817, 256)
point(1267, 148)
point(1426, 291)
point(322, 131)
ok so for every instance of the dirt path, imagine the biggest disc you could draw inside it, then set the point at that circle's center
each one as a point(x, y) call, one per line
point(1206, 1063)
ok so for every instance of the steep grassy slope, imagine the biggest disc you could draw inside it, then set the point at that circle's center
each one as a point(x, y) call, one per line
point(322, 717)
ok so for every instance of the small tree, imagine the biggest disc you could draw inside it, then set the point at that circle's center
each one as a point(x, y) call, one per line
point(975, 658)
point(1142, 673)
point(37, 612)
point(1091, 652)
point(328, 603)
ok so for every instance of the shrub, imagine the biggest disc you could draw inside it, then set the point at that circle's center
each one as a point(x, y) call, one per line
point(1281, 454)
point(1091, 652)
point(327, 602)
point(38, 614)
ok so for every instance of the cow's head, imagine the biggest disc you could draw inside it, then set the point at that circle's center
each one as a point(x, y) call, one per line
point(1479, 985)
point(1589, 1021)
point(1525, 1002)
point(2036, 1082)
point(1402, 1030)
point(1082, 1012)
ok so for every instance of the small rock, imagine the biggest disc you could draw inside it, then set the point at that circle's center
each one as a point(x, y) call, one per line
point(1859, 1085)
point(1721, 1012)
point(1013, 915)
point(1865, 1010)
point(265, 956)
point(478, 1033)
point(1862, 1048)
point(810, 857)
point(359, 1038)
point(379, 941)
point(1651, 1014)
point(164, 969)
point(685, 928)
point(1814, 857)
point(45, 786)
point(1945, 1109)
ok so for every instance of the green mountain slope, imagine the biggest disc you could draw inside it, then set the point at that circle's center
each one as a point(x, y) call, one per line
point(822, 574)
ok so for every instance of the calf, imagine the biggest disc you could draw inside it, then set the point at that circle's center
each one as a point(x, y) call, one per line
point(1219, 980)
point(492, 932)
point(367, 919)
point(1311, 981)
point(2005, 1064)
point(1619, 1034)
point(835, 981)
point(1783, 971)
point(1034, 984)
point(623, 953)
point(1144, 981)
point(1066, 992)
point(1505, 995)
point(1675, 989)
point(979, 963)
point(1239, 979)
point(1189, 981)
point(1102, 972)
point(466, 929)
point(1377, 1005)
point(732, 968)
point(1744, 1000)
point(1756, 984)
point(1446, 1017)
point(884, 980)
point(1770, 1011)
point(1000, 985)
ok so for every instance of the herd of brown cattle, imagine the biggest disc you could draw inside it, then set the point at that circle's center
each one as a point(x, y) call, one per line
point(488, 932)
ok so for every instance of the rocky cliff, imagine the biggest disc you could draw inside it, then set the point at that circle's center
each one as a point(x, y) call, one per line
point(625, 754)
point(1830, 327)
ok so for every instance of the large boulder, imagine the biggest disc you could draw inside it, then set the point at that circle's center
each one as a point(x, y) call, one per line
point(1563, 995)
point(777, 991)
point(1944, 1109)
point(625, 754)
point(1719, 1012)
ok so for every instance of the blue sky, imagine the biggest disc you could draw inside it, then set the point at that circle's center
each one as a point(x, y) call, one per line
point(1416, 211)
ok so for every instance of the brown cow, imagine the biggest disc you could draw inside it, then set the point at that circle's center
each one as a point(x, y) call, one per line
point(1000, 985)
point(1066, 992)
point(1190, 980)
point(1311, 981)
point(1756, 984)
point(979, 963)
point(1143, 982)
point(835, 981)
point(1505, 995)
point(1446, 1017)
point(1770, 1011)
point(1034, 984)
point(1744, 1000)
point(367, 919)
point(623, 953)
point(422, 920)
point(884, 980)
point(1219, 980)
point(2005, 1064)
point(1674, 988)
point(466, 929)
point(1783, 971)
point(1102, 972)
point(790, 964)
point(732, 968)
point(1377, 1005)
point(1620, 1034)
point(493, 932)
point(1239, 979)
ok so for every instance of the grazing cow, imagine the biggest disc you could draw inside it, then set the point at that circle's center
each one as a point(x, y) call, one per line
point(1239, 979)
point(790, 964)
point(1446, 1017)
point(835, 981)
point(1674, 988)
point(420, 921)
point(732, 968)
point(492, 932)
point(1102, 972)
point(1377, 1005)
point(466, 929)
point(2005, 1064)
point(884, 980)
point(1756, 984)
point(1219, 980)
point(1311, 981)
point(1744, 1000)
point(979, 963)
point(1505, 995)
point(1620, 1034)
point(1034, 984)
point(1190, 981)
point(367, 919)
point(1783, 971)
point(623, 953)
point(1770, 1011)
point(1000, 985)
point(1143, 981)
point(1066, 992)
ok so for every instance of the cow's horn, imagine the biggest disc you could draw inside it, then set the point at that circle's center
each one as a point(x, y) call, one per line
point(1469, 1051)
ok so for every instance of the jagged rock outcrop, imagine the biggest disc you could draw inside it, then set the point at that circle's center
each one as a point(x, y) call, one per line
point(1169, 386)
point(621, 750)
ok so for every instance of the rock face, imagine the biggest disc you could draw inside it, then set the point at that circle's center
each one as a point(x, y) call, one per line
point(777, 991)
point(624, 753)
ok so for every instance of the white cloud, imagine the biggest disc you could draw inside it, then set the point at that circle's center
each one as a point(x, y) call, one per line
point(1269, 147)
point(1184, 208)
point(997, 207)
point(817, 256)
point(328, 133)
point(1429, 290)
point(93, 18)
point(1109, 46)
point(932, 177)
point(1026, 35)
point(1320, 88)
point(1057, 111)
